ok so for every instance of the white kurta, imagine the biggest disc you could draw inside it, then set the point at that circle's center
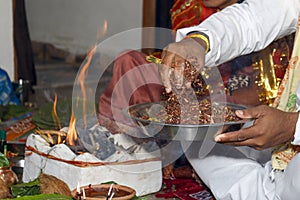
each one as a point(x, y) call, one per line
point(242, 173)
point(243, 28)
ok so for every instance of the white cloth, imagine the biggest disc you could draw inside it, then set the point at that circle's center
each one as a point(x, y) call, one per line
point(243, 28)
point(242, 173)
point(232, 175)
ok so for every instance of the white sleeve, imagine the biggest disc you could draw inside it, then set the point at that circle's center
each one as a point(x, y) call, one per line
point(296, 140)
point(243, 28)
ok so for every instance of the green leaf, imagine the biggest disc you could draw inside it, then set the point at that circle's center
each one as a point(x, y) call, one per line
point(3, 160)
point(26, 189)
point(45, 197)
point(12, 111)
point(3, 111)
point(44, 118)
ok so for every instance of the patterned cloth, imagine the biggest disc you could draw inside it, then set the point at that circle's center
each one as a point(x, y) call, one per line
point(186, 13)
point(286, 101)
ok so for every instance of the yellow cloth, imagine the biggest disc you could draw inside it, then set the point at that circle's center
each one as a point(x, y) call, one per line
point(286, 101)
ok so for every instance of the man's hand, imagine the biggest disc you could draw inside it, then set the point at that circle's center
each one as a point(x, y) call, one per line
point(271, 128)
point(174, 58)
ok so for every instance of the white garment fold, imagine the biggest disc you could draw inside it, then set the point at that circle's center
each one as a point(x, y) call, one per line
point(232, 175)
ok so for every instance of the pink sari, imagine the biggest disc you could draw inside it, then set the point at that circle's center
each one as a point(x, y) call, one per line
point(134, 81)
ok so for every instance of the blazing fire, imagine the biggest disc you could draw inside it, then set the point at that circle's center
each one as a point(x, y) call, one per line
point(72, 134)
point(81, 80)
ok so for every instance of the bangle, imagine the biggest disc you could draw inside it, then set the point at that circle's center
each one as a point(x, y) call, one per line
point(151, 58)
point(203, 37)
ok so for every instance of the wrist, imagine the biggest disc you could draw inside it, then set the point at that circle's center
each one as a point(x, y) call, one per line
point(296, 129)
point(201, 38)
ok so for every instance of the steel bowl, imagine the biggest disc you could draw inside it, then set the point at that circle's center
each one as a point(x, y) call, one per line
point(187, 132)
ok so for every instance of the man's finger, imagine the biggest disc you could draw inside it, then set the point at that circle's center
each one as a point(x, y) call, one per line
point(179, 65)
point(165, 73)
point(235, 136)
point(165, 70)
point(242, 143)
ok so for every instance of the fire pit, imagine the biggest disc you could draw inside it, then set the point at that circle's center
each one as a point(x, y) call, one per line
point(136, 168)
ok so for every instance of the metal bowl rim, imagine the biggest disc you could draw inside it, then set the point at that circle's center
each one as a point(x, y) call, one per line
point(127, 114)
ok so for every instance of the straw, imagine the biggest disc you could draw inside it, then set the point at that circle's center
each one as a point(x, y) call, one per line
point(109, 191)
point(112, 195)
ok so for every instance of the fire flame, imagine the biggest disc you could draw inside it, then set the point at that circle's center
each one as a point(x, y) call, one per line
point(103, 30)
point(56, 118)
point(72, 134)
point(54, 113)
point(81, 79)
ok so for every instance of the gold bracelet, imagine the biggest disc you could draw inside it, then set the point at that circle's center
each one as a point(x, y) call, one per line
point(153, 59)
point(202, 37)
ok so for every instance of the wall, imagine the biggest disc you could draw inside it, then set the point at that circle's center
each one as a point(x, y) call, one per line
point(76, 25)
point(6, 38)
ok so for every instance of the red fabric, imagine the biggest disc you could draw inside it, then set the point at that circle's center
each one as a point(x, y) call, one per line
point(134, 81)
point(277, 60)
point(186, 14)
point(185, 189)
